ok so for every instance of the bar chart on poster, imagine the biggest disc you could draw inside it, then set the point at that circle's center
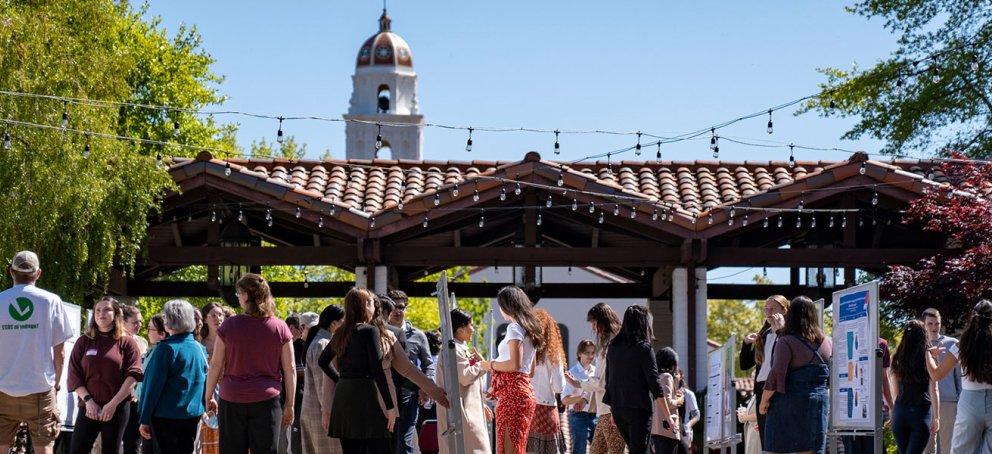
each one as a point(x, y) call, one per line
point(855, 338)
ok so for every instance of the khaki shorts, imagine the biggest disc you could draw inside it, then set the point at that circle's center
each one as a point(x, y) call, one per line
point(37, 410)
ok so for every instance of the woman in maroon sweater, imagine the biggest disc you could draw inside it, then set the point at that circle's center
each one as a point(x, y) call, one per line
point(104, 367)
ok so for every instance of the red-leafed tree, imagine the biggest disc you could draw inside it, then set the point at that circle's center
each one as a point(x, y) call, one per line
point(953, 281)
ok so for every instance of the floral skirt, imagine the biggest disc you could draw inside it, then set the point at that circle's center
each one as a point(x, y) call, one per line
point(546, 436)
point(514, 409)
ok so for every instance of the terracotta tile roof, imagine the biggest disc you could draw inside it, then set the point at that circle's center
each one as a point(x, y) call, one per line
point(367, 187)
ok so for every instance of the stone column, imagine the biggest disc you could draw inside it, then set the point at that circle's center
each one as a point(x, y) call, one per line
point(381, 279)
point(361, 280)
point(702, 346)
point(680, 313)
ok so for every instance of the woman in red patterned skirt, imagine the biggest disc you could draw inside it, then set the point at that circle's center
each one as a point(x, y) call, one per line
point(545, 435)
point(512, 369)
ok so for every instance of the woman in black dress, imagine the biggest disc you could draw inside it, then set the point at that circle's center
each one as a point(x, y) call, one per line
point(362, 426)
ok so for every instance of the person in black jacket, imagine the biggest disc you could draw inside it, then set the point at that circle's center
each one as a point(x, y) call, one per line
point(757, 348)
point(632, 379)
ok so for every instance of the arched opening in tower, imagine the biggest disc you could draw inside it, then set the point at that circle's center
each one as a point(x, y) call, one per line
point(383, 99)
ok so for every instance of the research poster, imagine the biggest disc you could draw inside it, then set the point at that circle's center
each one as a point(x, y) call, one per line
point(720, 401)
point(855, 338)
point(65, 400)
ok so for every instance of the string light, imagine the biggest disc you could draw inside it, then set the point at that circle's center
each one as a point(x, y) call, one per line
point(764, 223)
point(592, 207)
point(549, 202)
point(378, 137)
point(658, 155)
point(437, 199)
point(213, 216)
point(744, 221)
point(561, 178)
point(475, 192)
point(633, 212)
point(935, 73)
point(158, 159)
point(400, 204)
point(65, 115)
point(557, 146)
point(241, 216)
point(799, 222)
point(874, 197)
point(779, 223)
point(482, 218)
point(812, 220)
point(538, 216)
point(175, 128)
point(6, 140)
point(833, 106)
point(654, 214)
point(601, 219)
point(268, 214)
point(802, 203)
point(637, 148)
point(227, 169)
point(709, 219)
point(502, 193)
point(974, 62)
point(900, 86)
point(712, 138)
point(86, 150)
point(831, 224)
point(320, 222)
point(299, 212)
point(371, 222)
point(792, 156)
point(769, 129)
point(575, 205)
point(280, 138)
point(468, 143)
point(306, 281)
point(863, 168)
point(427, 219)
point(517, 189)
point(843, 222)
point(616, 209)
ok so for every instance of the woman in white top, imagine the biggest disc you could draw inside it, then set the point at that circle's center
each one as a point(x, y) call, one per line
point(512, 370)
point(605, 325)
point(973, 426)
point(545, 435)
point(749, 417)
point(581, 412)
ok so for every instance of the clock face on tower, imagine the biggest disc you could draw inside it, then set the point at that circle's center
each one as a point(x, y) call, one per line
point(382, 52)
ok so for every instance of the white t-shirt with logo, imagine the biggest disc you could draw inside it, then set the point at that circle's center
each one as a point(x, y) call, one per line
point(515, 332)
point(967, 384)
point(32, 321)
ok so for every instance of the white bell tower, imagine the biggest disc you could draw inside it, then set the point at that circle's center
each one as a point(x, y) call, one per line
point(384, 100)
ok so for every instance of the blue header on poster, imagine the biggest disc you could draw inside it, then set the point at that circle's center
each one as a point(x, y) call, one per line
point(854, 306)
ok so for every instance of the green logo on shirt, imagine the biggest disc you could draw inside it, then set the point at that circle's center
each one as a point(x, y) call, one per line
point(21, 309)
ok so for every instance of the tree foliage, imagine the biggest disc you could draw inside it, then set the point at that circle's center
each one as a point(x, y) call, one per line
point(914, 102)
point(83, 212)
point(953, 281)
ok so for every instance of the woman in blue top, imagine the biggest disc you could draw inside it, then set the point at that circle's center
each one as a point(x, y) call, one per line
point(172, 395)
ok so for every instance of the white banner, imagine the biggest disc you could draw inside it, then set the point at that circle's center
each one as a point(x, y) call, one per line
point(855, 339)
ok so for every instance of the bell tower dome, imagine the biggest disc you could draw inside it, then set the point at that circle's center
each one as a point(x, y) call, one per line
point(384, 100)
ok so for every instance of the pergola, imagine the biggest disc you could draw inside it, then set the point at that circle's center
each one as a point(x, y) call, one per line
point(659, 225)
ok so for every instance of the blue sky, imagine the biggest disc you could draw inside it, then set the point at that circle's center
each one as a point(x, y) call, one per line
point(658, 67)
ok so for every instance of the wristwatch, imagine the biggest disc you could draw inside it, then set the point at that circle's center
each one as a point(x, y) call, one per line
point(87, 398)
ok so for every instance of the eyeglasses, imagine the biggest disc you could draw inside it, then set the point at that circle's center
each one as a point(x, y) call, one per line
point(400, 307)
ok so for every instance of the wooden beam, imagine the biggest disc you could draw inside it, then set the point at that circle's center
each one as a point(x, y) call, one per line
point(523, 256)
point(252, 255)
point(203, 289)
point(803, 257)
point(760, 292)
point(548, 290)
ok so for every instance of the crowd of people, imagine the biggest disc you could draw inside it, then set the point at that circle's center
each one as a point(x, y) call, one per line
point(360, 378)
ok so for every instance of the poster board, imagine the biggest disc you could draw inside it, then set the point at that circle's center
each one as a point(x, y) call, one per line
point(820, 304)
point(720, 416)
point(66, 401)
point(853, 374)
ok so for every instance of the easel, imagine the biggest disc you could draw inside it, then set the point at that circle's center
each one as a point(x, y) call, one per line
point(453, 435)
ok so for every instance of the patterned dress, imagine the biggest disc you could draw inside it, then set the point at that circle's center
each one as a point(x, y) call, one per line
point(313, 437)
point(515, 407)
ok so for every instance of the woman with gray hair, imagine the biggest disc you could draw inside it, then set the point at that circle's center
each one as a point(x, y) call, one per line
point(172, 394)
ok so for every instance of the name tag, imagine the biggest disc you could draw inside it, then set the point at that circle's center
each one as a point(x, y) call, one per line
point(91, 352)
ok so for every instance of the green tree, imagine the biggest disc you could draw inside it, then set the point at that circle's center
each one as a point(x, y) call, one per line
point(734, 317)
point(910, 101)
point(289, 148)
point(82, 201)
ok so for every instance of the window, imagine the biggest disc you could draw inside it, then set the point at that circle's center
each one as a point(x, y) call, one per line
point(384, 99)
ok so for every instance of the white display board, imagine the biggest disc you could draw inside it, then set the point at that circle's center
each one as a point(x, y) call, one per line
point(820, 304)
point(855, 339)
point(66, 401)
point(721, 399)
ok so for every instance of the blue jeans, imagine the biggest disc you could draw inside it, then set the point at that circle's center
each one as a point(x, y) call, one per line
point(973, 427)
point(582, 424)
point(406, 425)
point(911, 427)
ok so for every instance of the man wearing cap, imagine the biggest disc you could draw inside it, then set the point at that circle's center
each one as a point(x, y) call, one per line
point(33, 328)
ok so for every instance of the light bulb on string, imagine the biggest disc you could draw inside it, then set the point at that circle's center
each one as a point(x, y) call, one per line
point(843, 221)
point(792, 156)
point(633, 212)
point(427, 219)
point(437, 199)
point(733, 211)
point(709, 219)
point(334, 209)
point(833, 106)
point(158, 160)
point(616, 209)
point(873, 221)
point(799, 222)
point(320, 222)
point(227, 169)
point(549, 202)
point(557, 145)
point(658, 155)
point(744, 221)
point(475, 192)
point(861, 220)
point(601, 219)
point(900, 86)
point(241, 216)
point(517, 190)
point(730, 221)
point(802, 203)
point(268, 214)
point(654, 214)
point(561, 178)
point(764, 223)
point(539, 216)
point(400, 205)
point(299, 212)
point(65, 116)
point(863, 168)
point(213, 216)
point(306, 280)
point(712, 138)
point(831, 224)
point(974, 62)
point(935, 74)
point(86, 150)
point(779, 223)
point(770, 127)
point(575, 205)
point(874, 198)
point(371, 222)
point(175, 128)
point(7, 141)
point(502, 193)
point(592, 207)
point(637, 148)
point(280, 137)
point(378, 137)
point(454, 190)
point(482, 218)
point(812, 220)
point(468, 143)
point(269, 222)
point(716, 153)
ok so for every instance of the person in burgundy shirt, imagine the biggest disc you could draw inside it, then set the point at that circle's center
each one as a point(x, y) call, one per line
point(104, 367)
point(252, 358)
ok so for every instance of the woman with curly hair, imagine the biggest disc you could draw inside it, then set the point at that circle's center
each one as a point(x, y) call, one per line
point(973, 426)
point(511, 385)
point(917, 410)
point(545, 435)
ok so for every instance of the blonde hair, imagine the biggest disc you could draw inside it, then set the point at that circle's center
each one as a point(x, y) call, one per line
point(759, 343)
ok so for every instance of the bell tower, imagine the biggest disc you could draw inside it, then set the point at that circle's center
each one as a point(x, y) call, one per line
point(384, 100)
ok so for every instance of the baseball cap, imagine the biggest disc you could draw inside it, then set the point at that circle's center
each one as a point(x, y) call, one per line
point(25, 262)
point(309, 319)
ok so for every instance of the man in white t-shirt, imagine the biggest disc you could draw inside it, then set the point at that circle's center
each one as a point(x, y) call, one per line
point(33, 328)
